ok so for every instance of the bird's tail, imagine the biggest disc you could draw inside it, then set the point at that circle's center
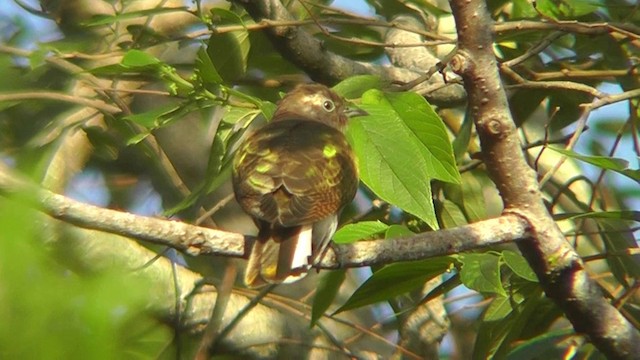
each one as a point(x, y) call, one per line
point(285, 254)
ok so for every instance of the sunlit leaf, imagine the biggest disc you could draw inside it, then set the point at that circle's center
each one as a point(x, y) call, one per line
point(519, 265)
point(401, 145)
point(138, 59)
point(481, 272)
point(354, 86)
point(620, 166)
point(358, 231)
point(396, 279)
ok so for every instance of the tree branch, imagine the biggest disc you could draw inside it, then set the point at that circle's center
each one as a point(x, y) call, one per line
point(559, 268)
point(308, 53)
point(50, 95)
point(195, 240)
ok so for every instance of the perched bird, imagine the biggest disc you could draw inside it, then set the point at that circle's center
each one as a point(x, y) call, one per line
point(293, 176)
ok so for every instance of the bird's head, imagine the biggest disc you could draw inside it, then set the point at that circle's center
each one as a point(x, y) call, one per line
point(317, 103)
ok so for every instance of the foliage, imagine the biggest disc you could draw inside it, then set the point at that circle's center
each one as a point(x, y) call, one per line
point(69, 317)
point(184, 97)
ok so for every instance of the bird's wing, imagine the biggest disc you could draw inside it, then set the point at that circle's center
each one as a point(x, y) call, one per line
point(294, 172)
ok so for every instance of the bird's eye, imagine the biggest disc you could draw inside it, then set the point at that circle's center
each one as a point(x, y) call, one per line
point(328, 105)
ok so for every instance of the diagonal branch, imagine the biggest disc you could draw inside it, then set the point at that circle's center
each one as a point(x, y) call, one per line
point(560, 270)
point(308, 53)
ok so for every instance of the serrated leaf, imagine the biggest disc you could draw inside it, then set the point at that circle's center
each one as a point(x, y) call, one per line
point(427, 127)
point(620, 166)
point(358, 231)
point(353, 87)
point(396, 279)
point(519, 265)
point(385, 168)
point(481, 272)
point(328, 288)
point(229, 51)
point(400, 150)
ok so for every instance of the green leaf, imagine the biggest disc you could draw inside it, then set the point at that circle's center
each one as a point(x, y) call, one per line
point(498, 309)
point(135, 59)
point(353, 87)
point(400, 150)
point(519, 265)
point(137, 138)
point(544, 346)
point(359, 231)
point(151, 119)
point(474, 184)
point(622, 250)
point(451, 215)
point(205, 68)
point(508, 318)
point(267, 108)
point(620, 215)
point(111, 19)
point(481, 272)
point(396, 279)
point(328, 288)
point(386, 170)
point(548, 8)
point(461, 142)
point(427, 127)
point(229, 51)
point(102, 313)
point(620, 166)
point(395, 231)
point(469, 195)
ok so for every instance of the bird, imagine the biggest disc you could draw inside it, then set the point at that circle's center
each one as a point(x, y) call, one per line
point(293, 176)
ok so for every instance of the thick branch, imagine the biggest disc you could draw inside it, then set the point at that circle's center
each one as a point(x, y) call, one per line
point(308, 53)
point(557, 265)
point(196, 240)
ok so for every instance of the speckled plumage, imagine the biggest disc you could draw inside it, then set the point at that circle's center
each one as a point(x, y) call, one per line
point(293, 176)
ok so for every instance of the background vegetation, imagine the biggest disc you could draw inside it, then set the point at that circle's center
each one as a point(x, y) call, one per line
point(499, 169)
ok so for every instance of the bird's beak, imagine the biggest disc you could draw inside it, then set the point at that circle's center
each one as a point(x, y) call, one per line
point(353, 111)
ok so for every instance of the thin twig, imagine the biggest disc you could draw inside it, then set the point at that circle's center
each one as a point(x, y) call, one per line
point(56, 96)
